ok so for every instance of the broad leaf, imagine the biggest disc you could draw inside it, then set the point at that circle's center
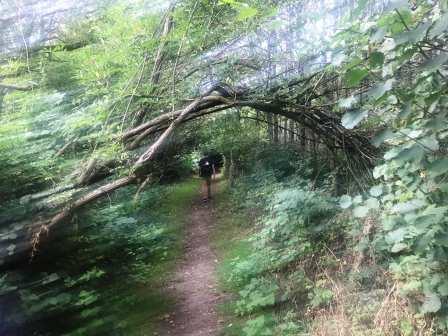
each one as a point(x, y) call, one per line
point(381, 137)
point(376, 59)
point(353, 118)
point(347, 103)
point(415, 153)
point(413, 36)
point(345, 201)
point(372, 203)
point(245, 13)
point(381, 89)
point(432, 304)
point(396, 236)
point(409, 206)
point(435, 63)
point(440, 26)
point(438, 167)
point(360, 211)
point(354, 76)
point(398, 247)
point(376, 190)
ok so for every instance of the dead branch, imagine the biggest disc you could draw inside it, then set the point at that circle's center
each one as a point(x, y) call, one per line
point(17, 87)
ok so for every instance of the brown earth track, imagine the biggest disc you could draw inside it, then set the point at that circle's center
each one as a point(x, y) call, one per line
point(195, 284)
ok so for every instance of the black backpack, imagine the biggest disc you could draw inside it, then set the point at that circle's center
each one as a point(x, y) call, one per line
point(205, 167)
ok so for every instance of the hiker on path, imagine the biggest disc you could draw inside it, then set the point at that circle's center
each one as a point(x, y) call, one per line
point(206, 170)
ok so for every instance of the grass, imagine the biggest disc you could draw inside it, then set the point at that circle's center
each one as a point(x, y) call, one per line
point(153, 302)
point(229, 243)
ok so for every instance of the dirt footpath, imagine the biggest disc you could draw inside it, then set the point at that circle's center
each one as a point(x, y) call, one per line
point(195, 284)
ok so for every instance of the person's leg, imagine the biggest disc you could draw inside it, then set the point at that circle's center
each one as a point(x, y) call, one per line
point(209, 187)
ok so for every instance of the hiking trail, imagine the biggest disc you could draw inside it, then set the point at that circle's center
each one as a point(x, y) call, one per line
point(195, 285)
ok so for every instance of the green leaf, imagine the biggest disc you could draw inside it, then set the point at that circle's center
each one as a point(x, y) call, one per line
point(378, 35)
point(443, 288)
point(245, 13)
point(406, 111)
point(372, 203)
point(381, 137)
point(395, 236)
point(376, 59)
point(398, 247)
point(430, 142)
point(415, 153)
point(409, 206)
point(354, 76)
point(432, 304)
point(381, 89)
point(345, 201)
point(347, 103)
point(397, 4)
point(435, 63)
point(353, 118)
point(360, 211)
point(413, 36)
point(440, 26)
point(376, 190)
point(438, 167)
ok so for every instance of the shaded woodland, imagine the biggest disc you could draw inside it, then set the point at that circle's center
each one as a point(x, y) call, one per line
point(331, 117)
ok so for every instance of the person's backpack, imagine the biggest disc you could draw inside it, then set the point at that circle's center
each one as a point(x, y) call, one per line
point(205, 167)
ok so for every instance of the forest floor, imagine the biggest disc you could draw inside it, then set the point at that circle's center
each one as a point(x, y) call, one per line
point(195, 284)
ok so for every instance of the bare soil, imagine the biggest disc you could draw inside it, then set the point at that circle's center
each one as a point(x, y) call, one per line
point(195, 286)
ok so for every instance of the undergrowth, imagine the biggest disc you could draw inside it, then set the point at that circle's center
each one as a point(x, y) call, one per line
point(296, 264)
point(105, 273)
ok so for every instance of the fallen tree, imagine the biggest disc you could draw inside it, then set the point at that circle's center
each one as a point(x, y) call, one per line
point(333, 134)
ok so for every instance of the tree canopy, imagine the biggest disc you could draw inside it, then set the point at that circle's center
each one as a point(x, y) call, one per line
point(123, 99)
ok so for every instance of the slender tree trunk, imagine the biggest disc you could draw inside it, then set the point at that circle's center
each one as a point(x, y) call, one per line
point(270, 126)
point(276, 129)
point(158, 60)
point(291, 130)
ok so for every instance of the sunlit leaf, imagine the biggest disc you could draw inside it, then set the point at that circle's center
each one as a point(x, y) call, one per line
point(372, 203)
point(432, 304)
point(409, 206)
point(345, 201)
point(398, 247)
point(353, 118)
point(381, 89)
point(376, 191)
point(360, 211)
point(396, 236)
point(245, 13)
point(347, 103)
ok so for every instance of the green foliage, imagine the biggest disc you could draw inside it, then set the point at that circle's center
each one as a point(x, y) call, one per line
point(410, 198)
point(122, 248)
point(320, 296)
point(297, 222)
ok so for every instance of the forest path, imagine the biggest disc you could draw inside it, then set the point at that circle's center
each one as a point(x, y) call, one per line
point(195, 285)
